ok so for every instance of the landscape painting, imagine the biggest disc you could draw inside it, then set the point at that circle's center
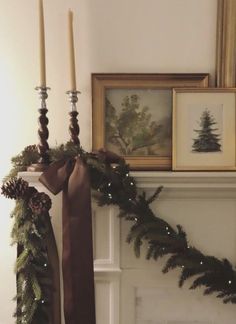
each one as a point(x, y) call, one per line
point(132, 115)
point(138, 122)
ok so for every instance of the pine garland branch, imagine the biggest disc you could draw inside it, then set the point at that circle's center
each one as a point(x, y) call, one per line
point(213, 274)
point(29, 232)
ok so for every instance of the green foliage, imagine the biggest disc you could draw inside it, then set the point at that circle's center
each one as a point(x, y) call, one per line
point(34, 282)
point(65, 151)
point(112, 185)
point(20, 162)
point(132, 129)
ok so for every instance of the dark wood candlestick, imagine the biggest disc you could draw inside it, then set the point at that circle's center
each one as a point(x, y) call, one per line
point(43, 133)
point(74, 128)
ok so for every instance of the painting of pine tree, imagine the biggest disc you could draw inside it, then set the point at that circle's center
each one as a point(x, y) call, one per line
point(207, 140)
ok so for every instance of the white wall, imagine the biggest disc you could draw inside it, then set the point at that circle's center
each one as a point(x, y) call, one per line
point(111, 36)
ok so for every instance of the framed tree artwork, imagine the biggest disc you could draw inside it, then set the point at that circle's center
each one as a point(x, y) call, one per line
point(132, 115)
point(204, 128)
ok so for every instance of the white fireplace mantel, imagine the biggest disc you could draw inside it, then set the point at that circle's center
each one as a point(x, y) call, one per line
point(134, 291)
point(186, 179)
point(169, 179)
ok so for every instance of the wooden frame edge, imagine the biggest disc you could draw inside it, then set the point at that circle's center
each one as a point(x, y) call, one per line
point(175, 91)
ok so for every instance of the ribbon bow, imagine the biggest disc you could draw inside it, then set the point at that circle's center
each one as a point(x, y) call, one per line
point(71, 177)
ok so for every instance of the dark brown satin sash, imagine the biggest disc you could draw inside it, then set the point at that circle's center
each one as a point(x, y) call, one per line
point(55, 310)
point(72, 177)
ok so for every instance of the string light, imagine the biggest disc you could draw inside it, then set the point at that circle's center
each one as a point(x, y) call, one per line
point(201, 262)
point(42, 301)
point(109, 184)
point(110, 196)
point(229, 282)
point(127, 174)
point(168, 233)
point(131, 183)
point(45, 265)
point(167, 228)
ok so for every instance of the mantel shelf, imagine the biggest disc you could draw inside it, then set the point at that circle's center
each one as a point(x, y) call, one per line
point(170, 179)
point(194, 180)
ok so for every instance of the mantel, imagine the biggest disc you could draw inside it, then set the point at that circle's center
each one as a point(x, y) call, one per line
point(186, 179)
point(188, 198)
point(149, 179)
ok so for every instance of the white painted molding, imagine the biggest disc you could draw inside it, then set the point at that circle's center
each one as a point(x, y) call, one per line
point(31, 177)
point(108, 313)
point(188, 185)
point(180, 180)
point(112, 262)
point(148, 179)
point(105, 270)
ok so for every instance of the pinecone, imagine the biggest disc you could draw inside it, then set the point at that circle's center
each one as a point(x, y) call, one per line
point(40, 203)
point(15, 188)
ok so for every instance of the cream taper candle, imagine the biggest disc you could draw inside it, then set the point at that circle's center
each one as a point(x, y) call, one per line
point(71, 51)
point(42, 46)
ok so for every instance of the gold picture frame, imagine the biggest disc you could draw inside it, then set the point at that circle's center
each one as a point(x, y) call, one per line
point(204, 128)
point(226, 44)
point(151, 88)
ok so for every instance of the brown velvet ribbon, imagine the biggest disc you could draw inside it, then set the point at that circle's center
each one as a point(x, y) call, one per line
point(53, 257)
point(71, 177)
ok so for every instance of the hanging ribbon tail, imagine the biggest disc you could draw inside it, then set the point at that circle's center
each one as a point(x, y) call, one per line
point(72, 177)
point(55, 311)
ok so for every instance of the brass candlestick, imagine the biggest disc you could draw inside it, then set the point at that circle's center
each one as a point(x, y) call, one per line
point(74, 126)
point(43, 133)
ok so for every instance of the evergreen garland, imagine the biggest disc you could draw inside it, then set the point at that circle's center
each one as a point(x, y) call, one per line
point(31, 219)
point(112, 185)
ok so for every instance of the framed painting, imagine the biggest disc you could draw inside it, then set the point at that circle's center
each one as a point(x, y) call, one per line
point(132, 115)
point(204, 128)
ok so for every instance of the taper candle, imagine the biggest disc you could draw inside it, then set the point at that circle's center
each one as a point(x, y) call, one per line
point(71, 51)
point(42, 46)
